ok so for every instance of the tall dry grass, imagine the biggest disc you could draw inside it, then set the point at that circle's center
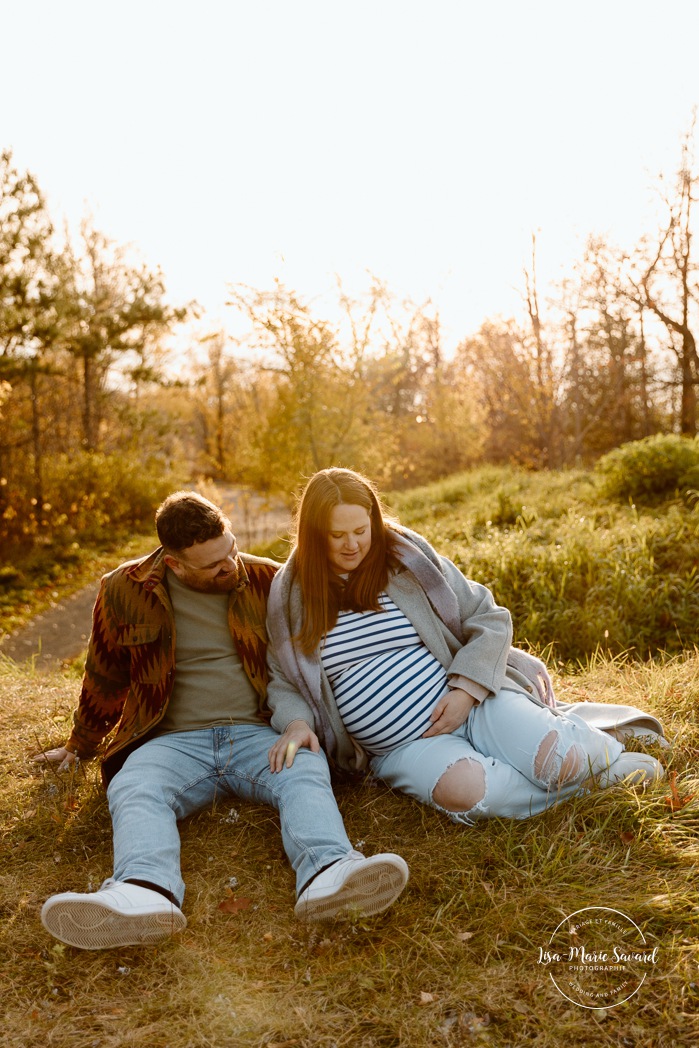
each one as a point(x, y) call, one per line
point(580, 572)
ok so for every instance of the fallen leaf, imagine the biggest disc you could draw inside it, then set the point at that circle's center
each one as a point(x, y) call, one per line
point(464, 936)
point(627, 837)
point(426, 998)
point(233, 905)
point(675, 801)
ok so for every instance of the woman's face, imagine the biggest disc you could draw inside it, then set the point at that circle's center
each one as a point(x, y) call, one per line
point(349, 537)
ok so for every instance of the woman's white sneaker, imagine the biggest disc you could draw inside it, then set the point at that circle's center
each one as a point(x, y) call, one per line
point(631, 769)
point(353, 886)
point(646, 736)
point(122, 914)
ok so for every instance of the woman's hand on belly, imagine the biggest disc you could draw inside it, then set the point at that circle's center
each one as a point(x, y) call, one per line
point(297, 734)
point(450, 712)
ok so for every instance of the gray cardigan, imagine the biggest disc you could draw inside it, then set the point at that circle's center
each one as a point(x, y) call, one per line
point(457, 620)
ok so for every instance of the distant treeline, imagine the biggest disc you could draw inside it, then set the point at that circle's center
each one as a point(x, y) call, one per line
point(94, 427)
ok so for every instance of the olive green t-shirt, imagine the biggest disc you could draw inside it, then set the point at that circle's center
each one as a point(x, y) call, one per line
point(211, 687)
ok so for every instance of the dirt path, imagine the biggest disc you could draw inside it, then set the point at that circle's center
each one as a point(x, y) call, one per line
point(62, 633)
point(58, 635)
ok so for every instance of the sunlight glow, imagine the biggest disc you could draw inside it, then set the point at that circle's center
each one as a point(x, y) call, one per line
point(423, 143)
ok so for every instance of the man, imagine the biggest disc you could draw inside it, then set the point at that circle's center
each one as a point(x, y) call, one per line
point(176, 668)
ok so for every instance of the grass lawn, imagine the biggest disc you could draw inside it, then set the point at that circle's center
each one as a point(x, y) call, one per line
point(456, 961)
point(463, 957)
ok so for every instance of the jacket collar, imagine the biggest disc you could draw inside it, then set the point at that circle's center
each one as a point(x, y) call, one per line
point(150, 570)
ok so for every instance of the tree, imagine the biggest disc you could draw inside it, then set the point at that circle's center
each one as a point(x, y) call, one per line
point(228, 406)
point(116, 308)
point(503, 371)
point(425, 402)
point(29, 322)
point(319, 414)
point(60, 308)
point(544, 376)
point(607, 373)
point(665, 283)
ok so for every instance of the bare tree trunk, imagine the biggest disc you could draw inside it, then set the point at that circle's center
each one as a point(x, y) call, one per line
point(575, 382)
point(37, 455)
point(643, 390)
point(545, 406)
point(688, 403)
point(677, 263)
point(220, 425)
point(88, 404)
point(689, 371)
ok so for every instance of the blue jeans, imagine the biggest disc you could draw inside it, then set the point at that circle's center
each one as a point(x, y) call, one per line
point(172, 776)
point(504, 735)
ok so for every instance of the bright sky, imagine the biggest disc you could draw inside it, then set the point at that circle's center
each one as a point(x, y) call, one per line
point(421, 140)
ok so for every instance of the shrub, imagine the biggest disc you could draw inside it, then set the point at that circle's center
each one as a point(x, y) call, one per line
point(644, 470)
point(612, 578)
point(627, 588)
point(91, 491)
point(689, 484)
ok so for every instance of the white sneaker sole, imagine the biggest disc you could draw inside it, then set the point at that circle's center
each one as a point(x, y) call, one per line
point(364, 893)
point(93, 925)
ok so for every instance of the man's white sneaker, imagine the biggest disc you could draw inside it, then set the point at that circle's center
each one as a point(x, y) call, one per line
point(122, 914)
point(631, 769)
point(353, 886)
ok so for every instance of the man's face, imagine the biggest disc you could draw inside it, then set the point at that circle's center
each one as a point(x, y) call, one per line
point(208, 567)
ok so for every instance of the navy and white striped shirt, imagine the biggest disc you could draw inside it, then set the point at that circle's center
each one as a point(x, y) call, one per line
point(385, 681)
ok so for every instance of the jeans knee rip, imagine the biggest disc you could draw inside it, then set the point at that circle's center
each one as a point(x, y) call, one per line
point(478, 811)
point(555, 769)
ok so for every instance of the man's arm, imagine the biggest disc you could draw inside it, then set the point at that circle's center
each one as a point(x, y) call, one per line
point(104, 689)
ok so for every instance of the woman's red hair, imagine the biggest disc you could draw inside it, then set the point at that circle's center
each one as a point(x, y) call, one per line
point(324, 594)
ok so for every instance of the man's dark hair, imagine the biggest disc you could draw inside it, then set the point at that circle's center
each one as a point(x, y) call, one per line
point(186, 518)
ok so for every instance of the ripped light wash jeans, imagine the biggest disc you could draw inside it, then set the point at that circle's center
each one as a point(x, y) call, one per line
point(172, 776)
point(520, 746)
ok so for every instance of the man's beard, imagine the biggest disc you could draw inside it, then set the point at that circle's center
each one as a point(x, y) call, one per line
point(221, 583)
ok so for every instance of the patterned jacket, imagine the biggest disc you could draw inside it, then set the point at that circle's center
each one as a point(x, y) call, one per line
point(130, 665)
